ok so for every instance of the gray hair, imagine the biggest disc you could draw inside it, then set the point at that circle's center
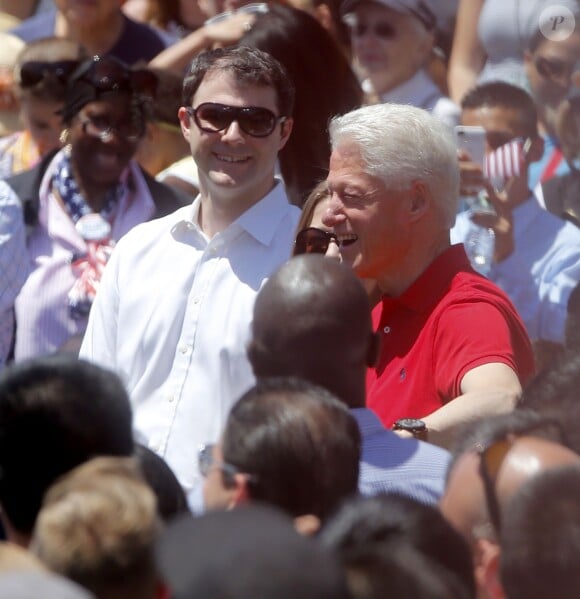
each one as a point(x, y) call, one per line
point(401, 144)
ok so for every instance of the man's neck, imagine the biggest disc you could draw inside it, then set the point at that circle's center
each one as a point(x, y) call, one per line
point(97, 39)
point(217, 213)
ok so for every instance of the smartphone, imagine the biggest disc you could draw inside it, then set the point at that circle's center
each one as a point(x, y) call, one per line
point(472, 141)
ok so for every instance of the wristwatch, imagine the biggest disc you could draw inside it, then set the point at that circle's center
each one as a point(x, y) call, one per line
point(412, 425)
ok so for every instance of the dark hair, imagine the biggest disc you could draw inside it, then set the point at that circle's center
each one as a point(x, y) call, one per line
point(249, 66)
point(325, 86)
point(394, 546)
point(300, 444)
point(55, 413)
point(167, 97)
point(540, 537)
point(505, 95)
point(171, 499)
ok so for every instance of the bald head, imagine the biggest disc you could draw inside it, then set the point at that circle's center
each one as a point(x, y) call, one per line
point(312, 320)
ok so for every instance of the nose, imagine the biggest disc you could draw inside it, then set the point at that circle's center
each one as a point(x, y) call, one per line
point(233, 133)
point(334, 214)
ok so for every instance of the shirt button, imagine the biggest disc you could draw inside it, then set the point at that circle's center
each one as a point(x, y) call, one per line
point(387, 330)
point(196, 300)
point(155, 447)
point(170, 398)
point(183, 349)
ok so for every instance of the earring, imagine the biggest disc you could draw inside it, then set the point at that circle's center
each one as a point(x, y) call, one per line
point(63, 136)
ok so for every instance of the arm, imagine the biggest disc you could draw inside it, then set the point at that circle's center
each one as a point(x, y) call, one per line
point(224, 33)
point(13, 264)
point(486, 390)
point(467, 54)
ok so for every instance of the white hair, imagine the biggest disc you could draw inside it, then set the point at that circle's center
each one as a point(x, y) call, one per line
point(401, 144)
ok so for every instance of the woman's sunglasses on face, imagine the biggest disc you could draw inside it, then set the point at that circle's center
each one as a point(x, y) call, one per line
point(253, 120)
point(313, 241)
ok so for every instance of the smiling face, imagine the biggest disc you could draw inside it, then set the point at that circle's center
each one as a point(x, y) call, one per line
point(389, 46)
point(99, 164)
point(370, 217)
point(233, 165)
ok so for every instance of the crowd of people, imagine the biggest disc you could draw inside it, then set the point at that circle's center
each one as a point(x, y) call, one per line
point(248, 347)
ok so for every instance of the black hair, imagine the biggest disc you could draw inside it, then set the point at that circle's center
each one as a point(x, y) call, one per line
point(55, 413)
point(394, 546)
point(505, 95)
point(249, 66)
point(300, 445)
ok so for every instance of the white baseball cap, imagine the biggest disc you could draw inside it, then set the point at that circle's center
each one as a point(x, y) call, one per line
point(422, 9)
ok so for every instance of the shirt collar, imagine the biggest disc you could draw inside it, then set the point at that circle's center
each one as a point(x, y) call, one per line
point(431, 285)
point(416, 91)
point(260, 220)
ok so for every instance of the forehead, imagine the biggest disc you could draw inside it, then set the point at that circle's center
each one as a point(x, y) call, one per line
point(222, 87)
point(495, 119)
point(373, 10)
point(114, 104)
point(346, 167)
point(570, 47)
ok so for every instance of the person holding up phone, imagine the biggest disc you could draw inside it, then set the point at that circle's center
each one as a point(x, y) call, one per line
point(537, 254)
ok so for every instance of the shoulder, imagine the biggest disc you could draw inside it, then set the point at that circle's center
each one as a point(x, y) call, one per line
point(35, 27)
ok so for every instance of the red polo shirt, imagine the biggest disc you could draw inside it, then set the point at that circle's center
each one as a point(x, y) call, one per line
point(448, 322)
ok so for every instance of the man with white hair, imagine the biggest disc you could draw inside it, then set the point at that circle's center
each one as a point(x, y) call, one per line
point(454, 348)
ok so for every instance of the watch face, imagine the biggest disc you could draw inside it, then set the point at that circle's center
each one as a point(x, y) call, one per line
point(410, 424)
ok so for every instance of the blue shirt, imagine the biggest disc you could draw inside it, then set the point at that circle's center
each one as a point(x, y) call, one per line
point(137, 41)
point(390, 464)
point(536, 169)
point(542, 270)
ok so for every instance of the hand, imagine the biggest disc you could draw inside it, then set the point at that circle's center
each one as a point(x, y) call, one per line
point(231, 30)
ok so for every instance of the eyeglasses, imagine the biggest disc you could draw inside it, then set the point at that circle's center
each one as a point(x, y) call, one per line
point(101, 128)
point(553, 68)
point(109, 74)
point(205, 462)
point(253, 120)
point(491, 458)
point(383, 30)
point(313, 241)
point(33, 72)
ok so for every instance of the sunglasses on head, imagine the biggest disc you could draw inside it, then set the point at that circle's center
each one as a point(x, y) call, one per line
point(382, 30)
point(491, 458)
point(33, 72)
point(109, 74)
point(313, 241)
point(253, 120)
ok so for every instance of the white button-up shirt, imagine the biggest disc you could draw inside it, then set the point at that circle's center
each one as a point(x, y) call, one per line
point(173, 315)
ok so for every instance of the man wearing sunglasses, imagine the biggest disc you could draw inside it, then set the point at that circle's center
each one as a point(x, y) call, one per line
point(174, 308)
point(537, 254)
point(392, 42)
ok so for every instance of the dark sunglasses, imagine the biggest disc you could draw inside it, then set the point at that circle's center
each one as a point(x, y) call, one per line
point(33, 72)
point(205, 462)
point(109, 74)
point(253, 120)
point(382, 30)
point(313, 241)
point(491, 458)
point(552, 68)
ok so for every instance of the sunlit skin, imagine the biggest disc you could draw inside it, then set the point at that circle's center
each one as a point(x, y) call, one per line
point(390, 62)
point(549, 92)
point(40, 117)
point(370, 220)
point(236, 170)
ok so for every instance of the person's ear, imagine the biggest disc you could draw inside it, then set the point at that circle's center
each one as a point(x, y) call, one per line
point(489, 563)
point(374, 349)
point(240, 494)
point(184, 122)
point(307, 525)
point(286, 130)
point(420, 200)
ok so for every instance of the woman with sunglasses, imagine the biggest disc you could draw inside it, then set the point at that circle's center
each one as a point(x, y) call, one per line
point(41, 74)
point(78, 202)
point(314, 237)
